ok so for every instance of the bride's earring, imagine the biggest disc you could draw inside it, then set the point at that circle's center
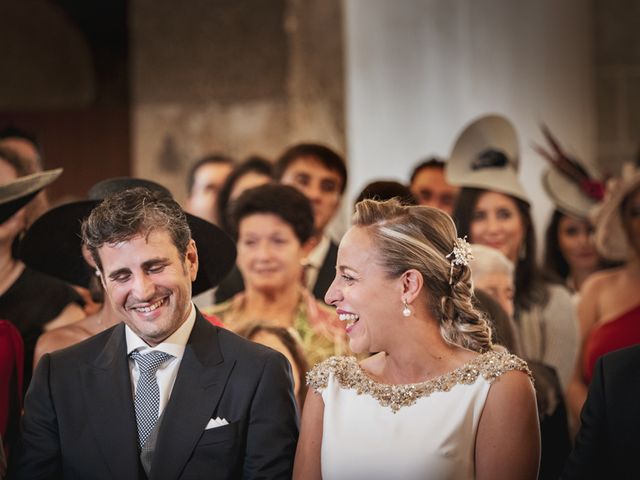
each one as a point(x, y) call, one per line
point(406, 311)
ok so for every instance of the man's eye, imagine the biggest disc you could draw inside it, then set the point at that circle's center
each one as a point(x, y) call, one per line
point(156, 269)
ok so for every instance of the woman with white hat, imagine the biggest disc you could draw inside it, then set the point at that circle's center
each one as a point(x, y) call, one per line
point(570, 252)
point(493, 209)
point(609, 308)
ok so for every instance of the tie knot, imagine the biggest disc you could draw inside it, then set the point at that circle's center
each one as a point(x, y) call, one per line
point(150, 362)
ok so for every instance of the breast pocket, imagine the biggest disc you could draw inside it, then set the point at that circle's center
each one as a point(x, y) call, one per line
point(224, 434)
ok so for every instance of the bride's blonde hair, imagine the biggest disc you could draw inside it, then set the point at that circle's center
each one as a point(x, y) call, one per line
point(420, 238)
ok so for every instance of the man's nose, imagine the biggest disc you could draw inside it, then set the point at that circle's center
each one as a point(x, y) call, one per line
point(143, 287)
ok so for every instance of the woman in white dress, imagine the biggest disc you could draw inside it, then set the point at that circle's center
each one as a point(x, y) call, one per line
point(436, 401)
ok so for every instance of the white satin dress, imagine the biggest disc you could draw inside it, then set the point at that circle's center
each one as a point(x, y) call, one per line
point(420, 431)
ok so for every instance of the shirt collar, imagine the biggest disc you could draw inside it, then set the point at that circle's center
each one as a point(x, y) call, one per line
point(316, 256)
point(173, 345)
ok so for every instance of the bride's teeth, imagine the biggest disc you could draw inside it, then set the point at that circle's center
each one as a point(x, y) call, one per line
point(348, 317)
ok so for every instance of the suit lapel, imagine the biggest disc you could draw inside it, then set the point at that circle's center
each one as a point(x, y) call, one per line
point(106, 386)
point(199, 384)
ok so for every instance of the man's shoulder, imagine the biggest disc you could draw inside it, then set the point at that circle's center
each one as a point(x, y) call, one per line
point(623, 360)
point(237, 347)
point(85, 350)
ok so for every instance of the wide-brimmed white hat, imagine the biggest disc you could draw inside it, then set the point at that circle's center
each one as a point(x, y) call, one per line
point(486, 155)
point(610, 237)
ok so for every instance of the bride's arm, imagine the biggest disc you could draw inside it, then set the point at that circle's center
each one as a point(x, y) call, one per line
point(307, 462)
point(508, 439)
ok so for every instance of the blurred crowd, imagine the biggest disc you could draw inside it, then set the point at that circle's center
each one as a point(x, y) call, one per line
point(559, 306)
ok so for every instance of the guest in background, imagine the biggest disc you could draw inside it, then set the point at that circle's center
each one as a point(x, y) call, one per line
point(493, 209)
point(28, 149)
point(492, 272)
point(272, 224)
point(609, 308)
point(570, 252)
point(320, 174)
point(32, 301)
point(204, 182)
point(251, 173)
point(285, 342)
point(14, 195)
point(430, 187)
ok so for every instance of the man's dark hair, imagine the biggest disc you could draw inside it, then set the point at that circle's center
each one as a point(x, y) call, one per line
point(131, 213)
point(215, 158)
point(11, 131)
point(431, 162)
point(382, 190)
point(284, 201)
point(253, 164)
point(327, 157)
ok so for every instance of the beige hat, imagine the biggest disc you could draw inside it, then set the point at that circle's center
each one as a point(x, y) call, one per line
point(485, 155)
point(571, 185)
point(17, 193)
point(611, 237)
point(567, 195)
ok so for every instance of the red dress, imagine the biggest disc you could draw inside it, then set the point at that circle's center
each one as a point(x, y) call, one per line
point(11, 375)
point(621, 332)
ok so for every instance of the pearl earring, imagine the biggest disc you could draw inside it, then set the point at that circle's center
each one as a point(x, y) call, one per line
point(406, 311)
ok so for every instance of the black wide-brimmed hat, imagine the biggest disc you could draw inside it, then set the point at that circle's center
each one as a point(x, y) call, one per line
point(17, 193)
point(53, 244)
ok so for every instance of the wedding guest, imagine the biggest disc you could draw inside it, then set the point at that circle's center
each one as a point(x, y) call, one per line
point(430, 187)
point(445, 402)
point(570, 252)
point(32, 301)
point(272, 223)
point(204, 182)
point(320, 173)
point(493, 209)
point(609, 307)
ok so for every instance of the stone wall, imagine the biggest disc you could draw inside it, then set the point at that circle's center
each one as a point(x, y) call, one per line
point(617, 72)
point(239, 77)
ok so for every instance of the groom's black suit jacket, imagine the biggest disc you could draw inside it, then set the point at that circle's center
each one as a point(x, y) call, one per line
point(608, 443)
point(79, 420)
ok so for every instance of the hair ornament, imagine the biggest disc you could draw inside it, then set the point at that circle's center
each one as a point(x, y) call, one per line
point(460, 255)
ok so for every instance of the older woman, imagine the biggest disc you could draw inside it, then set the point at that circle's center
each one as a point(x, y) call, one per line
point(435, 400)
point(272, 223)
point(493, 209)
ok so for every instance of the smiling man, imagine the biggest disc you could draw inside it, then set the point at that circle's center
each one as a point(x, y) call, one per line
point(165, 394)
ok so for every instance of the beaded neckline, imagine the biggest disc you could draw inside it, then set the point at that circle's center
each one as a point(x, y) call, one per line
point(350, 375)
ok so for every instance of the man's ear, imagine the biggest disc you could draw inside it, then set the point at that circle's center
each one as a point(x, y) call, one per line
point(191, 257)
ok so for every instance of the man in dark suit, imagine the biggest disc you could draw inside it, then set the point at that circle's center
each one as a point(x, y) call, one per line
point(164, 395)
point(607, 444)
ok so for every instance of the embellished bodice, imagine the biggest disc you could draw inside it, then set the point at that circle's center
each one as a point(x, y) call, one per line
point(349, 374)
point(422, 431)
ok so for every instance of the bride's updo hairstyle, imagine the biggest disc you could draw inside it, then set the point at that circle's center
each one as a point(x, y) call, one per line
point(420, 238)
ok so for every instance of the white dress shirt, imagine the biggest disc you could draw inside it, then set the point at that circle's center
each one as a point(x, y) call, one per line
point(313, 262)
point(174, 345)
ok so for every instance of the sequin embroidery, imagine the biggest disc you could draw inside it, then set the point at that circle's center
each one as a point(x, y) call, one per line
point(350, 375)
